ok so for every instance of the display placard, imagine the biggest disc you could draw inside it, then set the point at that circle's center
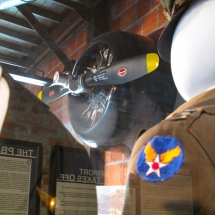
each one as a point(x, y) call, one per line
point(20, 174)
point(73, 180)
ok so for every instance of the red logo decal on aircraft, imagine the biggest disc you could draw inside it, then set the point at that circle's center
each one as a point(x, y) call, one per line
point(122, 72)
point(51, 93)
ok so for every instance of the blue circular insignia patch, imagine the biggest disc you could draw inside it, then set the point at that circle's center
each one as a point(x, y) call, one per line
point(160, 159)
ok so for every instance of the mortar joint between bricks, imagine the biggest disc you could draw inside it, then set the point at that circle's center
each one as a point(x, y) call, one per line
point(117, 162)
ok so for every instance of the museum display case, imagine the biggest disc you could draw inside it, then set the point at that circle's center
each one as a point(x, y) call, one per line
point(96, 121)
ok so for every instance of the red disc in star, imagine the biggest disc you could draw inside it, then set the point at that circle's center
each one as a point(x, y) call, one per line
point(155, 166)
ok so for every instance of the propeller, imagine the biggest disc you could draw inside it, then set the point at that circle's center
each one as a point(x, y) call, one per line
point(123, 71)
point(52, 93)
point(117, 73)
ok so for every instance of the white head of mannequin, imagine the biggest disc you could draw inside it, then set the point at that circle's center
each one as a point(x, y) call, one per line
point(193, 50)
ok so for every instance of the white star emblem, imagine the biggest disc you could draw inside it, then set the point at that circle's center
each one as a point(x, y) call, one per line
point(155, 166)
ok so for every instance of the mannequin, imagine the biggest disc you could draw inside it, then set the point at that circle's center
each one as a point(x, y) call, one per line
point(171, 168)
point(193, 51)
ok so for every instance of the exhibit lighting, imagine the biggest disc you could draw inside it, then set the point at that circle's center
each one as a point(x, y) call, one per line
point(31, 79)
point(47, 199)
point(5, 4)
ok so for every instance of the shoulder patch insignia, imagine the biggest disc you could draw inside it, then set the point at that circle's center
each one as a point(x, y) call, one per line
point(160, 159)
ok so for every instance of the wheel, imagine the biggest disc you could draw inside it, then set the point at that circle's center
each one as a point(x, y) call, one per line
point(106, 115)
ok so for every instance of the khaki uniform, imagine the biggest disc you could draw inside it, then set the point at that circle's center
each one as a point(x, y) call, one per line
point(192, 189)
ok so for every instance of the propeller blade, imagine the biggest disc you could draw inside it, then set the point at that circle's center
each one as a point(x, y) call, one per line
point(124, 71)
point(53, 92)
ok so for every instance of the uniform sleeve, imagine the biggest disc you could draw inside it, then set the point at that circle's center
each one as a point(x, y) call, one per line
point(140, 143)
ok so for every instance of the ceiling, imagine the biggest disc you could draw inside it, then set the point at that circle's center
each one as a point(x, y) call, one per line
point(30, 31)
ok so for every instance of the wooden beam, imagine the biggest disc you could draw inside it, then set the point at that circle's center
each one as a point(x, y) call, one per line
point(13, 48)
point(20, 22)
point(71, 4)
point(15, 20)
point(18, 36)
point(7, 68)
point(59, 35)
point(94, 3)
point(11, 59)
point(19, 67)
point(45, 14)
point(24, 9)
point(81, 8)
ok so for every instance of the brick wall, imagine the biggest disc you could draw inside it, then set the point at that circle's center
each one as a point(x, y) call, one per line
point(116, 160)
point(137, 16)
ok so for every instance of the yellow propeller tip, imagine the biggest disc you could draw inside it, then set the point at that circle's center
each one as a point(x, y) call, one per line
point(39, 96)
point(152, 61)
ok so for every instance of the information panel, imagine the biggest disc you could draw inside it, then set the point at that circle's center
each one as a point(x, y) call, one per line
point(111, 200)
point(20, 171)
point(73, 180)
